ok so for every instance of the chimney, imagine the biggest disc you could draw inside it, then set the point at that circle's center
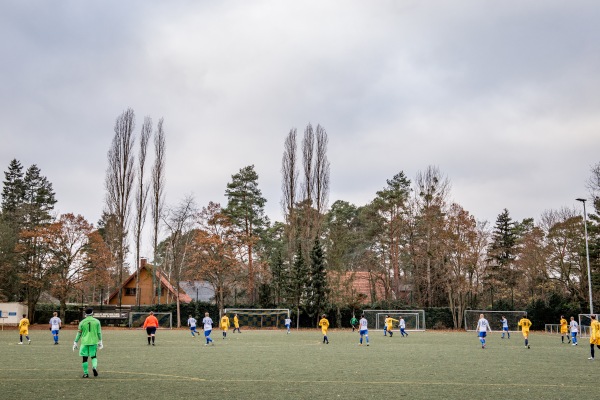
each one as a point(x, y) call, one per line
point(143, 261)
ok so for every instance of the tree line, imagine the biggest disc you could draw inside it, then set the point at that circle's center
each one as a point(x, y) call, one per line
point(415, 246)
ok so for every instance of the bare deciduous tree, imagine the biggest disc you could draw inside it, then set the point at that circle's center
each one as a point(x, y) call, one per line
point(179, 221)
point(120, 175)
point(289, 186)
point(321, 173)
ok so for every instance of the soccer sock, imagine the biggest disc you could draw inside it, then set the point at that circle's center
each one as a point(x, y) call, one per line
point(20, 338)
point(94, 362)
point(85, 365)
point(367, 337)
point(152, 339)
point(27, 337)
point(361, 340)
point(592, 350)
point(148, 339)
point(526, 342)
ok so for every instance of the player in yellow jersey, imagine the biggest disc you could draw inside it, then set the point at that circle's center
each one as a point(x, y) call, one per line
point(389, 324)
point(24, 329)
point(524, 323)
point(564, 329)
point(324, 324)
point(594, 335)
point(236, 324)
point(224, 325)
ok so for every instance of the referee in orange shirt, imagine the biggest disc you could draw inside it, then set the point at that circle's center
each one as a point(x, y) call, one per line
point(150, 325)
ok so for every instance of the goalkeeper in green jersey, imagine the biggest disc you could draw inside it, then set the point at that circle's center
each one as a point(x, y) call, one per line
point(90, 334)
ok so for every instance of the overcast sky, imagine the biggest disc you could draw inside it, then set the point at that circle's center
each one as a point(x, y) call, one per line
point(502, 96)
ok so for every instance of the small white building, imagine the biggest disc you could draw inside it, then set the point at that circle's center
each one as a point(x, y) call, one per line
point(11, 313)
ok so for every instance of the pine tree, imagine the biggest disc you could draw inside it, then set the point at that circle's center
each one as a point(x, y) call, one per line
point(502, 253)
point(316, 288)
point(13, 190)
point(245, 209)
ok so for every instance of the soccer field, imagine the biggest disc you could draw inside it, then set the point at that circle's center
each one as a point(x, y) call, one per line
point(273, 365)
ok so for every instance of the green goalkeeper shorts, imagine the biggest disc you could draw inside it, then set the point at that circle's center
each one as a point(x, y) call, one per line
point(88, 351)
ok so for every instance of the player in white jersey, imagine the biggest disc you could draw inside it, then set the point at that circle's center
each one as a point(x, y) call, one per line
point(288, 324)
point(208, 323)
point(363, 329)
point(55, 325)
point(574, 330)
point(482, 327)
point(192, 324)
point(402, 325)
point(504, 327)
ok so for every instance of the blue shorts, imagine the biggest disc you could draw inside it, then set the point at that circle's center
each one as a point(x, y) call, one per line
point(207, 333)
point(55, 332)
point(193, 328)
point(287, 326)
point(505, 329)
point(364, 332)
point(482, 334)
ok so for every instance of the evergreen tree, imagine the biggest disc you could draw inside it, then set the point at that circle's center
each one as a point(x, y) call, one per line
point(502, 252)
point(13, 190)
point(317, 288)
point(297, 282)
point(245, 208)
point(39, 198)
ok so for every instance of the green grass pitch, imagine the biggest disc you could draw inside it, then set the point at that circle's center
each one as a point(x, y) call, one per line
point(273, 365)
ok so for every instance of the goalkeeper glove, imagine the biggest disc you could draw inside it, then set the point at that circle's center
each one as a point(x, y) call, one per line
point(75, 346)
point(100, 345)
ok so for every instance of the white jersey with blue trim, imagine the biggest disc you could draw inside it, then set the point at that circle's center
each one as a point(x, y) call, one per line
point(483, 325)
point(208, 323)
point(363, 323)
point(55, 323)
point(192, 322)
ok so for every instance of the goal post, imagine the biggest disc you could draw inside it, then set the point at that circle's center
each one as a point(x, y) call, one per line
point(259, 318)
point(494, 318)
point(414, 319)
point(137, 318)
point(585, 322)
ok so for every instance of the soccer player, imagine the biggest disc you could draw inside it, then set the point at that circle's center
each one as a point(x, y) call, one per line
point(574, 326)
point(55, 325)
point(525, 324)
point(324, 324)
point(150, 325)
point(564, 329)
point(402, 324)
point(363, 330)
point(288, 324)
point(482, 327)
point(389, 324)
point(353, 322)
point(24, 329)
point(594, 335)
point(90, 333)
point(504, 327)
point(208, 322)
point(236, 324)
point(224, 325)
point(192, 324)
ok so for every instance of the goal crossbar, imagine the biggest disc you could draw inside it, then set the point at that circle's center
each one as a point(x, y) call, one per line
point(259, 317)
point(165, 319)
point(494, 318)
point(414, 319)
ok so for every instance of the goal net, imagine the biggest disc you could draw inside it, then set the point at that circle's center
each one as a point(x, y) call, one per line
point(585, 321)
point(494, 318)
point(137, 318)
point(259, 318)
point(414, 319)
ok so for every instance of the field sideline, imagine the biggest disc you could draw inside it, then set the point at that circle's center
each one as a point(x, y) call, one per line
point(271, 364)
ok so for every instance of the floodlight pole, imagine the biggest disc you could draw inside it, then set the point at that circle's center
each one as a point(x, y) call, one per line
point(587, 254)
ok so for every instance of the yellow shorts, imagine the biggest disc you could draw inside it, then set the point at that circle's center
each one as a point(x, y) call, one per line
point(24, 332)
point(324, 331)
point(525, 333)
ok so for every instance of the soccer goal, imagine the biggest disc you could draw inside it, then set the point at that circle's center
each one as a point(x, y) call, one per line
point(137, 318)
point(585, 321)
point(494, 318)
point(552, 328)
point(415, 319)
point(259, 318)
